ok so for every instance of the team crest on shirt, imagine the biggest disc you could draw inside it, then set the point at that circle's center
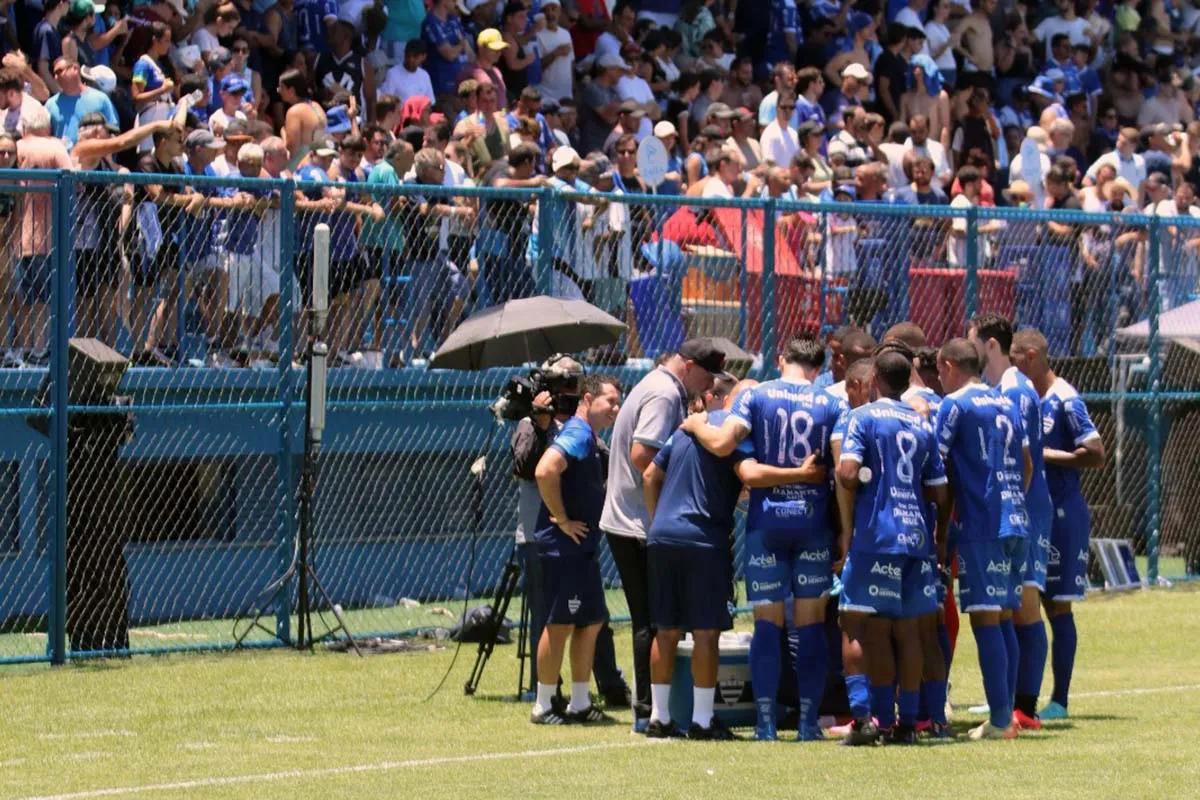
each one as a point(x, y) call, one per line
point(573, 604)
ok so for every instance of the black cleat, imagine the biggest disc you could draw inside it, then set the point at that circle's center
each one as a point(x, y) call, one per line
point(715, 732)
point(663, 730)
point(903, 734)
point(551, 717)
point(862, 732)
point(589, 715)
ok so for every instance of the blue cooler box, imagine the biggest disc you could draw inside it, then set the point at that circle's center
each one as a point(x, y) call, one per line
point(734, 700)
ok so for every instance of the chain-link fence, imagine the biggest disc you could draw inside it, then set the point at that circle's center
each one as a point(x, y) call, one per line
point(161, 510)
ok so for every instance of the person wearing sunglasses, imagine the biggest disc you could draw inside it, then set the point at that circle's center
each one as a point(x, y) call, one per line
point(779, 142)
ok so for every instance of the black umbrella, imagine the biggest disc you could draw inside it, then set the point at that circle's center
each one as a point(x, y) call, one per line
point(737, 360)
point(530, 329)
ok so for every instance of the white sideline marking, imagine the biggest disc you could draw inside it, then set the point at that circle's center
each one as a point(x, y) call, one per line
point(387, 766)
point(1191, 687)
point(384, 766)
point(87, 735)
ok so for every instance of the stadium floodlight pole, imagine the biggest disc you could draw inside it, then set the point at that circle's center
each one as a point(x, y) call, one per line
point(314, 431)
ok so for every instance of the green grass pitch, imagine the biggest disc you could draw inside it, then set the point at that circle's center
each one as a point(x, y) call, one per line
point(286, 725)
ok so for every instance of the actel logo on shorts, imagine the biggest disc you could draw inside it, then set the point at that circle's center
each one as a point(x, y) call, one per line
point(887, 570)
point(1002, 567)
point(813, 555)
point(762, 561)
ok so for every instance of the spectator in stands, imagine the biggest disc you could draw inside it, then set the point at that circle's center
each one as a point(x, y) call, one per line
point(490, 47)
point(779, 141)
point(448, 48)
point(75, 101)
point(409, 79)
point(601, 104)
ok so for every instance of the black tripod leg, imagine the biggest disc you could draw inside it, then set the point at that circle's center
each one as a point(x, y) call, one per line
point(508, 585)
point(337, 614)
point(524, 646)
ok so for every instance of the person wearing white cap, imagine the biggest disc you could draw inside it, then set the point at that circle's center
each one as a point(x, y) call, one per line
point(666, 133)
point(600, 105)
point(558, 54)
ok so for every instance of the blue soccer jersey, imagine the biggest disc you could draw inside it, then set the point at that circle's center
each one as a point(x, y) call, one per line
point(582, 490)
point(311, 17)
point(699, 494)
point(788, 422)
point(897, 445)
point(1017, 388)
point(981, 437)
point(1066, 425)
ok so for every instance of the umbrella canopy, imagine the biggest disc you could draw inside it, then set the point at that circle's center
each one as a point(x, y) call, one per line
point(737, 360)
point(529, 329)
point(1178, 323)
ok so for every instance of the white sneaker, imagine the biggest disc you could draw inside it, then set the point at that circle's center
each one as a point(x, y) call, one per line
point(989, 731)
point(980, 711)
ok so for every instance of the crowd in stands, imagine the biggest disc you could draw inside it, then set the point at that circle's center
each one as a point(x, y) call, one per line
point(1066, 105)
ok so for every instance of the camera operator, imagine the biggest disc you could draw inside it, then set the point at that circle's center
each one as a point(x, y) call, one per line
point(532, 436)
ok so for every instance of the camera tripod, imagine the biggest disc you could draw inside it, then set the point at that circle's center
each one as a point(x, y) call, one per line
point(510, 582)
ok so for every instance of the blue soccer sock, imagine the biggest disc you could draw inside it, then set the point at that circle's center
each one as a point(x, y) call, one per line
point(812, 662)
point(765, 666)
point(1062, 655)
point(923, 702)
point(1034, 647)
point(858, 691)
point(1013, 651)
point(908, 707)
point(883, 705)
point(993, 663)
point(933, 693)
point(944, 641)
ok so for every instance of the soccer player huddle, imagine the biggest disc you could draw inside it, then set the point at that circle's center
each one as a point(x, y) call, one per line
point(917, 466)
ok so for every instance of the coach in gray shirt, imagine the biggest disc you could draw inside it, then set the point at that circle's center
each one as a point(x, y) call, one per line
point(648, 417)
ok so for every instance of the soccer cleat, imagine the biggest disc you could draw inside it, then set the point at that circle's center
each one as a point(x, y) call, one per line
point(589, 715)
point(662, 730)
point(641, 724)
point(765, 732)
point(939, 731)
point(551, 717)
point(924, 726)
point(903, 734)
point(980, 710)
point(862, 732)
point(989, 731)
point(715, 732)
point(807, 733)
point(1025, 722)
point(1053, 711)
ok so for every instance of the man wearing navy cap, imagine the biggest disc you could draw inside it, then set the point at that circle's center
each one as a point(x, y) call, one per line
point(650, 414)
point(233, 94)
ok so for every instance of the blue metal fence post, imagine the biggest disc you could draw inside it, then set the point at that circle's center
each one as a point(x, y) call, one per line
point(547, 218)
point(768, 289)
point(971, 285)
point(63, 292)
point(1154, 438)
point(287, 489)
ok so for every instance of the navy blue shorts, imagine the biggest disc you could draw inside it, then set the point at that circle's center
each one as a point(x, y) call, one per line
point(1067, 561)
point(35, 279)
point(573, 591)
point(990, 574)
point(689, 587)
point(780, 564)
point(893, 586)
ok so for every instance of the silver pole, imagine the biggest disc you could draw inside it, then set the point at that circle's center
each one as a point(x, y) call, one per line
point(320, 311)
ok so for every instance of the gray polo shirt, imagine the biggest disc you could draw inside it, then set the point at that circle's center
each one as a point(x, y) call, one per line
point(649, 415)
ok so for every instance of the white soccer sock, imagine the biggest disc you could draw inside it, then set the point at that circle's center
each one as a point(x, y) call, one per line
point(702, 706)
point(545, 695)
point(660, 702)
point(580, 699)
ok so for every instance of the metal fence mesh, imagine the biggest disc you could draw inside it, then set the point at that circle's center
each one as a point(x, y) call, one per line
point(183, 527)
